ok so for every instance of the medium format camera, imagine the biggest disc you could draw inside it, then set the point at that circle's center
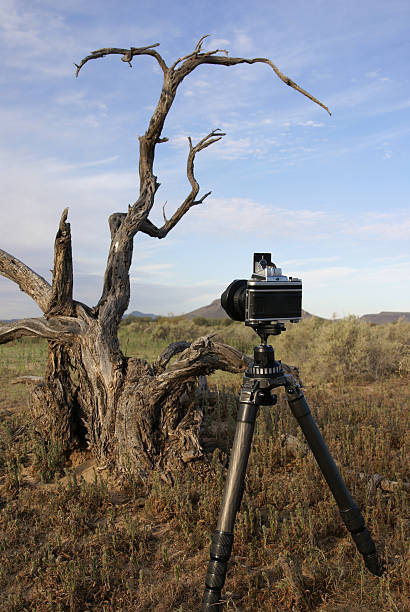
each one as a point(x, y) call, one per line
point(266, 298)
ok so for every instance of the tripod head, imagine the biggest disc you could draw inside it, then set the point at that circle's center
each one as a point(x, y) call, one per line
point(264, 331)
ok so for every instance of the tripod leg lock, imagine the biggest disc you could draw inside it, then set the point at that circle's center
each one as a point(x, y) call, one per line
point(292, 388)
point(352, 518)
point(354, 521)
point(221, 546)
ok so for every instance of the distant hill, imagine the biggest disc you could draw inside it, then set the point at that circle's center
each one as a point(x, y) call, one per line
point(214, 310)
point(137, 313)
point(386, 317)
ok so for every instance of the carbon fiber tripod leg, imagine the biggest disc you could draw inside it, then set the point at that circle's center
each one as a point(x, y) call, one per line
point(349, 511)
point(223, 537)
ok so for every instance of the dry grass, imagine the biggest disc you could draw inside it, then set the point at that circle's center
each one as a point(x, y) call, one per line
point(79, 543)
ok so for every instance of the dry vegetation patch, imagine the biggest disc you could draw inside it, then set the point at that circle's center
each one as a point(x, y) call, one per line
point(73, 540)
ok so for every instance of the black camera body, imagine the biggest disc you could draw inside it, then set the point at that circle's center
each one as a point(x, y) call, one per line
point(267, 298)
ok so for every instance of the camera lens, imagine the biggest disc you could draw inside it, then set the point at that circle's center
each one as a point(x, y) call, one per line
point(233, 300)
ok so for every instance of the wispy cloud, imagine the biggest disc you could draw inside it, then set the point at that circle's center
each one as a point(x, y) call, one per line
point(389, 226)
point(38, 33)
point(150, 272)
point(216, 43)
point(68, 142)
point(356, 275)
point(35, 191)
point(242, 215)
point(247, 217)
point(310, 123)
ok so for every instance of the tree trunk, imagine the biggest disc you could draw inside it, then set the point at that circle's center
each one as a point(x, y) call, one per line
point(132, 415)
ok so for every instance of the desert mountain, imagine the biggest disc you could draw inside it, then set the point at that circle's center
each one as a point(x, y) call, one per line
point(386, 317)
point(214, 310)
point(137, 313)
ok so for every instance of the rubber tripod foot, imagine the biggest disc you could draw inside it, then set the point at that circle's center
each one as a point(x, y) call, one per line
point(211, 601)
point(375, 564)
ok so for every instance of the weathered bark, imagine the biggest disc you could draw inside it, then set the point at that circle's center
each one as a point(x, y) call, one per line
point(158, 420)
point(61, 329)
point(52, 401)
point(61, 300)
point(133, 416)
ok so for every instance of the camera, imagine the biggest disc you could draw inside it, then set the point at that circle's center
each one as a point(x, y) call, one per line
point(267, 298)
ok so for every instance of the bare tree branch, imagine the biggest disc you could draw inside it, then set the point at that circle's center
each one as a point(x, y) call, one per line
point(171, 350)
point(173, 76)
point(195, 60)
point(61, 301)
point(28, 380)
point(127, 54)
point(115, 221)
point(189, 201)
point(196, 51)
point(62, 329)
point(115, 295)
point(203, 357)
point(29, 281)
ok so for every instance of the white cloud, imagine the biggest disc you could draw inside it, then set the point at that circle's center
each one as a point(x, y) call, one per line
point(360, 95)
point(323, 277)
point(180, 141)
point(211, 44)
point(235, 148)
point(307, 261)
point(39, 34)
point(243, 215)
point(357, 275)
point(246, 216)
point(310, 123)
point(243, 42)
point(150, 272)
point(384, 226)
point(35, 192)
point(78, 98)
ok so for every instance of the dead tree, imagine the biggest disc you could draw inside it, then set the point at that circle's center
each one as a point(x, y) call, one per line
point(132, 415)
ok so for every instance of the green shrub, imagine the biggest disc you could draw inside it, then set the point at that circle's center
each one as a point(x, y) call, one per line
point(324, 350)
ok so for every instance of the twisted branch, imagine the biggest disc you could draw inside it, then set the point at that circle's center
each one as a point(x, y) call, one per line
point(127, 54)
point(190, 200)
point(203, 357)
point(63, 329)
point(171, 350)
point(210, 58)
point(29, 281)
point(196, 51)
point(115, 296)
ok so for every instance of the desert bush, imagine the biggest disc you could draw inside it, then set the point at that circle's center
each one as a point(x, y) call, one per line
point(324, 350)
point(352, 349)
point(72, 545)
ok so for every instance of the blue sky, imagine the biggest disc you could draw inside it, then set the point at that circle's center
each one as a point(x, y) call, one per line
point(328, 196)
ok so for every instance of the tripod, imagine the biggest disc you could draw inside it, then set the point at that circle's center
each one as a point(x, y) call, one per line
point(260, 378)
